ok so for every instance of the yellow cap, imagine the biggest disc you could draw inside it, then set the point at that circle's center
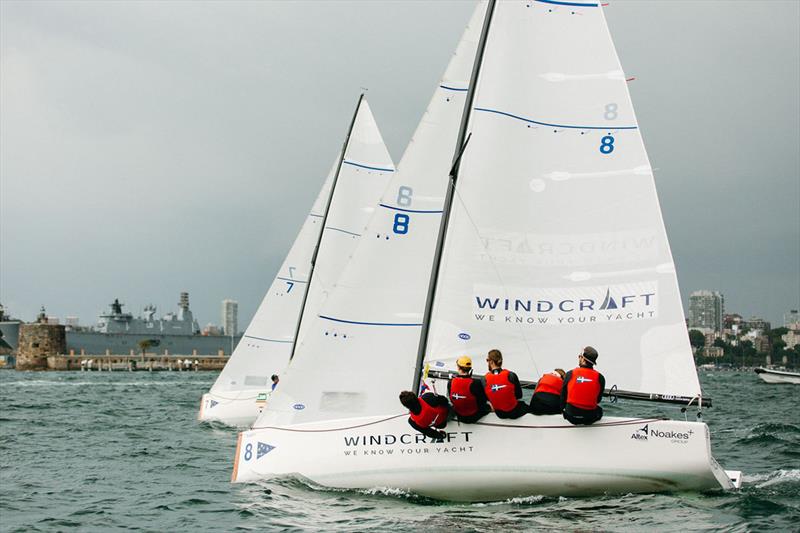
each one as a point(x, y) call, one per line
point(464, 361)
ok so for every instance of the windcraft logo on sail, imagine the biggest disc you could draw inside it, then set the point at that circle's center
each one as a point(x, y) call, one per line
point(566, 306)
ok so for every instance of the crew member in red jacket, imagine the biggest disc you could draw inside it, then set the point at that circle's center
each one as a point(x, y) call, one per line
point(503, 388)
point(427, 413)
point(466, 393)
point(546, 398)
point(583, 389)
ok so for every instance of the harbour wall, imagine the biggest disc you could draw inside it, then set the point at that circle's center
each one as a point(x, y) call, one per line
point(37, 342)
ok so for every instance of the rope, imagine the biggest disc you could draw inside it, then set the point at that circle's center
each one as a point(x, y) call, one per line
point(500, 278)
point(623, 423)
point(331, 429)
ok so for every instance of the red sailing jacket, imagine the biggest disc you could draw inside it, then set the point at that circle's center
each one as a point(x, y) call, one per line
point(464, 402)
point(550, 383)
point(500, 391)
point(428, 415)
point(583, 388)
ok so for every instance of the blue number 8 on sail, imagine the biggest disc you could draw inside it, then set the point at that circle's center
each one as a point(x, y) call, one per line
point(607, 144)
point(401, 223)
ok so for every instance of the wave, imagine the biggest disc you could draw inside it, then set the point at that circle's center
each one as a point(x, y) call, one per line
point(767, 479)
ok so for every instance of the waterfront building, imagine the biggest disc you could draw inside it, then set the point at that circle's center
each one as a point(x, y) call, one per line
point(757, 324)
point(791, 338)
point(230, 317)
point(705, 310)
point(791, 319)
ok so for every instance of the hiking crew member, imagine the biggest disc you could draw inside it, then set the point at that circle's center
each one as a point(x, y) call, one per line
point(503, 389)
point(466, 393)
point(582, 390)
point(546, 398)
point(427, 413)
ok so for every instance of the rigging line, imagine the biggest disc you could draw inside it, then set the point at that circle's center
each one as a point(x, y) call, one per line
point(322, 228)
point(499, 276)
point(278, 428)
point(230, 399)
point(631, 422)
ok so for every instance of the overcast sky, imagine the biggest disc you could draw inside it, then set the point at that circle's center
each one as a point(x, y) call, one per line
point(152, 147)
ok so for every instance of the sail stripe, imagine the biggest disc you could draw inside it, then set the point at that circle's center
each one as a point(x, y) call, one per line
point(268, 340)
point(409, 210)
point(367, 323)
point(367, 166)
point(610, 128)
point(292, 280)
point(344, 231)
point(558, 3)
point(457, 89)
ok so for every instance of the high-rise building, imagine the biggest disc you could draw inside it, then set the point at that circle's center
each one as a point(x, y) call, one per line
point(230, 317)
point(705, 310)
point(791, 319)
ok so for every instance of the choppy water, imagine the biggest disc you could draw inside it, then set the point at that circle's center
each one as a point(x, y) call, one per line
point(104, 451)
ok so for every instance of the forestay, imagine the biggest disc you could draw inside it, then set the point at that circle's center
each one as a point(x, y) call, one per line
point(360, 351)
point(556, 239)
point(364, 172)
point(267, 341)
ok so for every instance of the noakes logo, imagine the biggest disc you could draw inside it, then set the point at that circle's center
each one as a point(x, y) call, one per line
point(554, 306)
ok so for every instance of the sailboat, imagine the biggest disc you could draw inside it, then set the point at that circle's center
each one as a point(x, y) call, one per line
point(354, 184)
point(550, 238)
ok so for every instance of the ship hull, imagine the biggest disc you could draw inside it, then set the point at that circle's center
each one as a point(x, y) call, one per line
point(490, 461)
point(89, 343)
point(778, 376)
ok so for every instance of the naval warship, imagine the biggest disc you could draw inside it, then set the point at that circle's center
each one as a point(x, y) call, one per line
point(119, 332)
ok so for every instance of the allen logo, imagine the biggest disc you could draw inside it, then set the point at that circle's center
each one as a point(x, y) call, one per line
point(457, 396)
point(212, 403)
point(641, 433)
point(581, 379)
point(496, 388)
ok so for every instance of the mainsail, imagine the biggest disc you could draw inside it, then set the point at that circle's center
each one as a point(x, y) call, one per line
point(555, 237)
point(360, 350)
point(347, 199)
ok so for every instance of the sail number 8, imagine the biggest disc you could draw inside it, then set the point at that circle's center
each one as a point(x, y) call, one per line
point(401, 220)
point(607, 144)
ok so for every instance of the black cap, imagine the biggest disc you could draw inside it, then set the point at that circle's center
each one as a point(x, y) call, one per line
point(590, 354)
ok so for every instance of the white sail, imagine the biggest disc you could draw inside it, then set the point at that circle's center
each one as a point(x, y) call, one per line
point(267, 342)
point(363, 175)
point(240, 391)
point(361, 350)
point(556, 239)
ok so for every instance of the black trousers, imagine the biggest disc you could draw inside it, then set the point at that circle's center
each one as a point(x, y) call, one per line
point(582, 417)
point(471, 419)
point(544, 403)
point(520, 410)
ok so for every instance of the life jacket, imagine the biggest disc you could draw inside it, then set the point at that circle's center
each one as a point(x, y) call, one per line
point(549, 383)
point(583, 388)
point(500, 391)
point(429, 415)
point(464, 402)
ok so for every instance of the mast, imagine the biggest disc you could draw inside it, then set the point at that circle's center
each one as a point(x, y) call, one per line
point(322, 229)
point(448, 201)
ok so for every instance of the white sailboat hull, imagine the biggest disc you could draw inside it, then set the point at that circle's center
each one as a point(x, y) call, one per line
point(778, 376)
point(240, 409)
point(493, 460)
